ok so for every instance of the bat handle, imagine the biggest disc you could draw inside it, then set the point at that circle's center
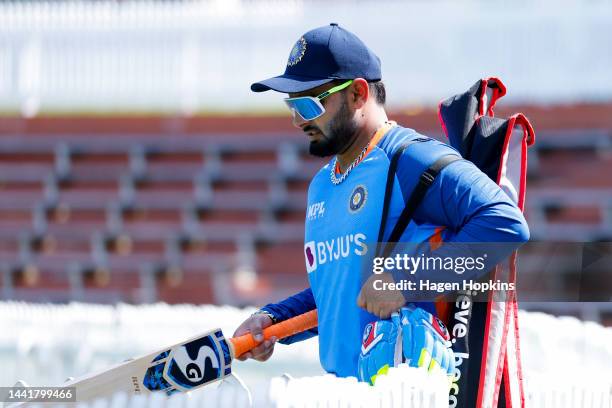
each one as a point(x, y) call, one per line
point(286, 328)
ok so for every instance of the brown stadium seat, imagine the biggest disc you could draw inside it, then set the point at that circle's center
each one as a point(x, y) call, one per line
point(309, 165)
point(573, 213)
point(194, 277)
point(230, 212)
point(141, 221)
point(45, 277)
point(586, 169)
point(15, 152)
point(585, 215)
point(181, 166)
point(253, 172)
point(14, 220)
point(65, 219)
point(291, 215)
point(572, 159)
point(16, 172)
point(191, 287)
point(122, 275)
point(164, 193)
point(250, 185)
point(265, 153)
point(88, 193)
point(18, 195)
point(65, 226)
point(98, 166)
point(125, 283)
point(9, 247)
point(281, 258)
point(234, 219)
point(208, 262)
point(199, 243)
point(144, 230)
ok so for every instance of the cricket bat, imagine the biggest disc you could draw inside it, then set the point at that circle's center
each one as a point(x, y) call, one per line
point(185, 366)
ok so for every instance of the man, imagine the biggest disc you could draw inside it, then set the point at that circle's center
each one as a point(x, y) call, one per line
point(337, 99)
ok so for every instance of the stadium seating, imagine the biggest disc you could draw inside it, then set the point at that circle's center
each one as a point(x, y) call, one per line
point(569, 194)
point(146, 217)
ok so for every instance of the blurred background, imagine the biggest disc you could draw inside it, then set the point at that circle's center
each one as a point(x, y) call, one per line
point(136, 166)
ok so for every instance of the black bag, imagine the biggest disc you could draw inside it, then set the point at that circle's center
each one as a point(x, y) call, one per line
point(487, 356)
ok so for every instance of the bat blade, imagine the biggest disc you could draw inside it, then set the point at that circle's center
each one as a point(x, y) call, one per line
point(182, 367)
point(185, 366)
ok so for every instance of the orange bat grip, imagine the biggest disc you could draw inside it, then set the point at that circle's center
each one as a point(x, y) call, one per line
point(286, 328)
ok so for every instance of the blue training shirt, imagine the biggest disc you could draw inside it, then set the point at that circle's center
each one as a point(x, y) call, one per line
point(342, 224)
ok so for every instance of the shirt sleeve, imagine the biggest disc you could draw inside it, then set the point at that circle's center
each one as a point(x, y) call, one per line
point(295, 305)
point(471, 206)
point(462, 198)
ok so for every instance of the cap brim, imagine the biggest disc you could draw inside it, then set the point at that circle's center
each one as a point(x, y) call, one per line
point(288, 84)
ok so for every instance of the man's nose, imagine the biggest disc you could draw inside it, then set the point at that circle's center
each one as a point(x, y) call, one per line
point(298, 120)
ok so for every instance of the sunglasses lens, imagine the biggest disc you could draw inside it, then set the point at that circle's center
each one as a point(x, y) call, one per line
point(306, 107)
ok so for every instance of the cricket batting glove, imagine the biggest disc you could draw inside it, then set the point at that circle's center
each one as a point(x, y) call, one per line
point(412, 336)
point(380, 348)
point(426, 341)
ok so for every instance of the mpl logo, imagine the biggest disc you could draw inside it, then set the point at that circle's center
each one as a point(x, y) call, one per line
point(321, 252)
point(316, 210)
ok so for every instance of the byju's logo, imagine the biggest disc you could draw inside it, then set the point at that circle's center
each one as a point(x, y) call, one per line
point(310, 255)
point(322, 252)
point(315, 211)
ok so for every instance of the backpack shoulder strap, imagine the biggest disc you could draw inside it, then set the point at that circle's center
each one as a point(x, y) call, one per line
point(426, 179)
point(390, 178)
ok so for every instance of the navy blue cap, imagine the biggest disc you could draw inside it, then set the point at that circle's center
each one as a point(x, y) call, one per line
point(321, 56)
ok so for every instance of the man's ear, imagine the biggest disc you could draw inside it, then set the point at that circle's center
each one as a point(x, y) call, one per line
point(359, 92)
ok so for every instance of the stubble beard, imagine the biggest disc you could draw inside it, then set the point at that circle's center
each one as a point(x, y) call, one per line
point(340, 134)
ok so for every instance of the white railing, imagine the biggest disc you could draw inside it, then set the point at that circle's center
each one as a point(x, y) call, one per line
point(195, 56)
point(566, 362)
point(402, 387)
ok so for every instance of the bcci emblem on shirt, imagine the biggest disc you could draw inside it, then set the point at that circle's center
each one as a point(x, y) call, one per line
point(358, 198)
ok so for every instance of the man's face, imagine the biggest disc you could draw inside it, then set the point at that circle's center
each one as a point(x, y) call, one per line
point(334, 131)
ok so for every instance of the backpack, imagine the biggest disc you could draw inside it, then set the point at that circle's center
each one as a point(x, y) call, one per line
point(488, 355)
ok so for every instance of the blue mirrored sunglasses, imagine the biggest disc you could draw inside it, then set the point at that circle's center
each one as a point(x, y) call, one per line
point(310, 107)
